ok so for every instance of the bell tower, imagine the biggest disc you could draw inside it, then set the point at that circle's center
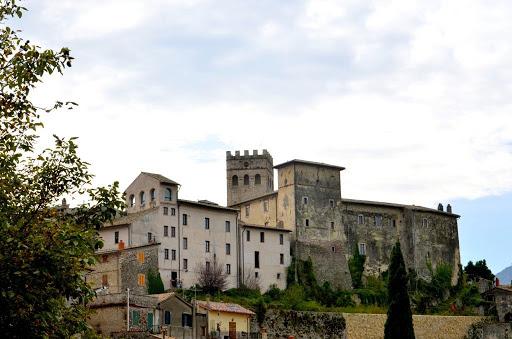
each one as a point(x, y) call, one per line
point(248, 176)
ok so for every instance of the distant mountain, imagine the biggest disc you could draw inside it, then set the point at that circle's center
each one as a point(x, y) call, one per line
point(505, 276)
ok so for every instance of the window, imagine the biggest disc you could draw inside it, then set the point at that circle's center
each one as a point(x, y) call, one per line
point(116, 237)
point(104, 280)
point(142, 196)
point(281, 239)
point(150, 237)
point(281, 258)
point(228, 249)
point(331, 203)
point(256, 274)
point(166, 231)
point(378, 220)
point(360, 219)
point(246, 180)
point(207, 246)
point(228, 226)
point(206, 223)
point(362, 249)
point(333, 249)
point(247, 210)
point(166, 254)
point(167, 318)
point(256, 259)
point(425, 222)
point(141, 279)
point(207, 265)
point(185, 243)
point(140, 257)
point(173, 211)
point(332, 225)
point(186, 320)
point(257, 179)
point(262, 236)
point(234, 180)
point(135, 318)
point(393, 222)
point(248, 235)
point(167, 194)
point(185, 219)
point(306, 222)
point(166, 210)
point(173, 232)
point(265, 206)
point(228, 268)
point(152, 194)
point(173, 254)
point(132, 200)
point(185, 264)
point(305, 200)
point(278, 276)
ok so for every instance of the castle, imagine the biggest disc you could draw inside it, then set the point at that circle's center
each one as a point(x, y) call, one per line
point(256, 235)
point(328, 228)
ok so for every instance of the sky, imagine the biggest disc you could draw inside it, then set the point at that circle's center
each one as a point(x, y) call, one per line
point(413, 97)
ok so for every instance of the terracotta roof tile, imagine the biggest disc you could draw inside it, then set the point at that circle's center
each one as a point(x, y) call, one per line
point(223, 307)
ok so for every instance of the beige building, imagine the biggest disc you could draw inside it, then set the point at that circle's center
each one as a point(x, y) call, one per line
point(189, 233)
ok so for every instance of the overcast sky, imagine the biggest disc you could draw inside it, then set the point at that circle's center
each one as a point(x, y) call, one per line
point(412, 97)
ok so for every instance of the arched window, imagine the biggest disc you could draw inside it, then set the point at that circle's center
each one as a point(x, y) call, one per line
point(132, 200)
point(152, 194)
point(168, 194)
point(246, 179)
point(257, 179)
point(234, 180)
point(142, 198)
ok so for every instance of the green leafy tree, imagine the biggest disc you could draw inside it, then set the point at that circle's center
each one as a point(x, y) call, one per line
point(155, 283)
point(478, 270)
point(356, 267)
point(44, 252)
point(399, 320)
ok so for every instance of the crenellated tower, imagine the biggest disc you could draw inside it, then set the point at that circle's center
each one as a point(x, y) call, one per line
point(248, 176)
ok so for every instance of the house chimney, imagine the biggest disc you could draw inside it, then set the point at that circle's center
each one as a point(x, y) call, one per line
point(120, 246)
point(449, 208)
point(440, 207)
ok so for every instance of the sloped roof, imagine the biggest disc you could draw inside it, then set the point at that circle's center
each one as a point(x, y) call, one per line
point(162, 296)
point(201, 203)
point(223, 307)
point(269, 228)
point(306, 162)
point(129, 218)
point(161, 178)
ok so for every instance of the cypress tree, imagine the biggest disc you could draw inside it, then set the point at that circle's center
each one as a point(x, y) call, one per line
point(399, 321)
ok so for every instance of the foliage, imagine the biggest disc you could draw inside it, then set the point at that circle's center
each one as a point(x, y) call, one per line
point(44, 252)
point(273, 293)
point(374, 293)
point(478, 270)
point(212, 278)
point(399, 320)
point(356, 267)
point(155, 283)
point(293, 296)
point(250, 281)
point(260, 310)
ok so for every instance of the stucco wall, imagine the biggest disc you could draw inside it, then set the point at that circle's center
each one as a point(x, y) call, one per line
point(371, 326)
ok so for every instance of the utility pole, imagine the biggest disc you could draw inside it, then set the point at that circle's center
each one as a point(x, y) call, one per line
point(128, 310)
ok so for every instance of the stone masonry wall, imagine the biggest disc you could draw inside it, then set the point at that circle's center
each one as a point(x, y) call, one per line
point(371, 326)
point(303, 325)
point(131, 267)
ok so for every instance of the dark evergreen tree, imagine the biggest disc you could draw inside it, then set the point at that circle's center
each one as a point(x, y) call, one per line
point(478, 270)
point(399, 321)
point(356, 267)
point(155, 283)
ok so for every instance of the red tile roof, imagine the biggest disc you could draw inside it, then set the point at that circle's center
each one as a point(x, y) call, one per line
point(223, 307)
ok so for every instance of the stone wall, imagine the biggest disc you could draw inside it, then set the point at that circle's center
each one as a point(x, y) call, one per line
point(131, 267)
point(371, 326)
point(486, 330)
point(303, 325)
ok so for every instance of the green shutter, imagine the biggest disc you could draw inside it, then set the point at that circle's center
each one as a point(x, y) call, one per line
point(135, 318)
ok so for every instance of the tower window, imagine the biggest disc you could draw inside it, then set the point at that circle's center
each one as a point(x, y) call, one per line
point(306, 222)
point(256, 259)
point(167, 194)
point(305, 200)
point(234, 180)
point(331, 203)
point(152, 194)
point(206, 223)
point(142, 198)
point(166, 210)
point(360, 219)
point(332, 225)
point(207, 246)
point(228, 226)
point(362, 248)
point(257, 179)
point(228, 249)
point(281, 239)
point(132, 200)
point(281, 258)
point(247, 210)
point(425, 222)
point(246, 180)
point(262, 236)
point(378, 220)
point(248, 235)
